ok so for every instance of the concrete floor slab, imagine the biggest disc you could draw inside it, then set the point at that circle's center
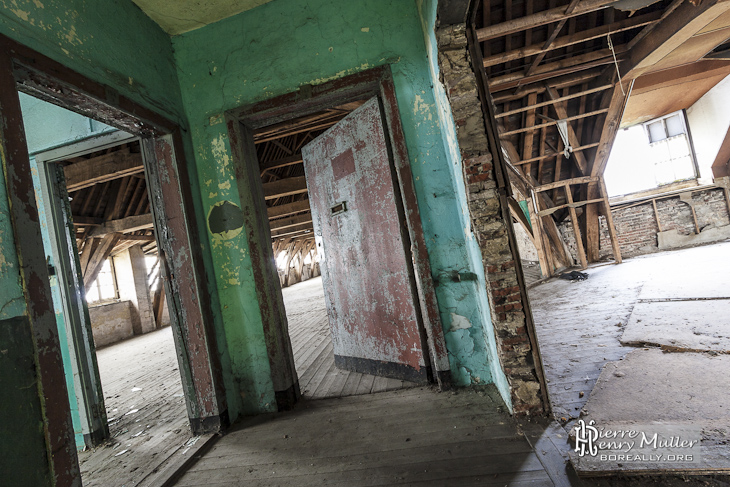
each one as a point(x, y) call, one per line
point(679, 390)
point(686, 325)
point(702, 272)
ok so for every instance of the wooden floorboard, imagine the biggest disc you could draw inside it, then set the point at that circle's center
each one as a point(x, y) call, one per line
point(148, 421)
point(407, 437)
point(309, 332)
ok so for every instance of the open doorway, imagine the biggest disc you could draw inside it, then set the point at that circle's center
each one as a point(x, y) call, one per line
point(347, 254)
point(285, 157)
point(106, 279)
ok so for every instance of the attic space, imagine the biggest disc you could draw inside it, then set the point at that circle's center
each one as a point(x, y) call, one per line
point(433, 242)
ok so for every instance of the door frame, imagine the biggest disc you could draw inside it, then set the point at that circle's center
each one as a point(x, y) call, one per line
point(24, 69)
point(243, 121)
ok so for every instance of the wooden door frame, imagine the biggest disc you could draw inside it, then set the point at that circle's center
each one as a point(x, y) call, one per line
point(243, 121)
point(23, 69)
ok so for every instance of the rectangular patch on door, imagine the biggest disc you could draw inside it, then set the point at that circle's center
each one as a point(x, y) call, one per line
point(343, 165)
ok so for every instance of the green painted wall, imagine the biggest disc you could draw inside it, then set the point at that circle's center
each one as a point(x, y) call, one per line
point(427, 10)
point(242, 60)
point(109, 41)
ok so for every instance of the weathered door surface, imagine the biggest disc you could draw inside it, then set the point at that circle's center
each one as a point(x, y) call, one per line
point(366, 267)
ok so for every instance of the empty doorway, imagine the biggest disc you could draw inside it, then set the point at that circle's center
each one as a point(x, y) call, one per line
point(336, 204)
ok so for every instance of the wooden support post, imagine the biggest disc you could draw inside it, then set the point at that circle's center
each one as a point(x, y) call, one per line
point(609, 223)
point(549, 258)
point(656, 215)
point(576, 229)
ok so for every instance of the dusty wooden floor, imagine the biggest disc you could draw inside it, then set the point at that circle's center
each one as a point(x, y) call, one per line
point(309, 331)
point(146, 411)
point(415, 436)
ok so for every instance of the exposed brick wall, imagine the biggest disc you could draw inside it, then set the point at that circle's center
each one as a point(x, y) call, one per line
point(637, 229)
point(489, 226)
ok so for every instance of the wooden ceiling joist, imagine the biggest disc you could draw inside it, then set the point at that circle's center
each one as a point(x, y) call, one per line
point(285, 187)
point(291, 222)
point(556, 100)
point(123, 225)
point(288, 209)
point(102, 168)
point(541, 18)
point(571, 40)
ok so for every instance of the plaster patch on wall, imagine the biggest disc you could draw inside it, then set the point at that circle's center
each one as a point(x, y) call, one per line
point(459, 322)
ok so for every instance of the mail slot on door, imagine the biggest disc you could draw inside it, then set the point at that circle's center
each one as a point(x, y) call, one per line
point(339, 208)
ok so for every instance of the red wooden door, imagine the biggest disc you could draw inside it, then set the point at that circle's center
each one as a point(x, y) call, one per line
point(365, 262)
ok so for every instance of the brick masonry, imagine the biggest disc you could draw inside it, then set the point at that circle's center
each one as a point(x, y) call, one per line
point(490, 228)
point(637, 228)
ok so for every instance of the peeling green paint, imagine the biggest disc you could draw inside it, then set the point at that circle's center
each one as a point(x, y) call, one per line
point(468, 370)
point(109, 42)
point(326, 40)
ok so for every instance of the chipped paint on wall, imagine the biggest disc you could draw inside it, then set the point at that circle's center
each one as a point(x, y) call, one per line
point(109, 42)
point(427, 15)
point(323, 46)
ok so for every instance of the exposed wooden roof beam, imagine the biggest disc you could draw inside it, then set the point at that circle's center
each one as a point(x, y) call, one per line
point(293, 232)
point(577, 38)
point(123, 225)
point(551, 38)
point(558, 68)
point(287, 209)
point(548, 124)
point(550, 102)
point(565, 81)
point(541, 18)
point(561, 110)
point(677, 28)
point(291, 222)
point(102, 168)
point(576, 150)
point(285, 187)
point(287, 161)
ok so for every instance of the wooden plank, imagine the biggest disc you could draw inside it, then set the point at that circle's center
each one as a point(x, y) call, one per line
point(609, 221)
point(287, 209)
point(291, 221)
point(566, 182)
point(287, 161)
point(285, 187)
point(124, 225)
point(551, 102)
point(556, 68)
point(101, 169)
point(656, 215)
point(576, 204)
point(576, 151)
point(576, 229)
point(538, 19)
point(529, 136)
point(577, 38)
point(674, 30)
point(548, 124)
point(294, 232)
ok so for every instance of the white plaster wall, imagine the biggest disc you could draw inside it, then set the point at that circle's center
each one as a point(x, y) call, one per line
point(709, 119)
